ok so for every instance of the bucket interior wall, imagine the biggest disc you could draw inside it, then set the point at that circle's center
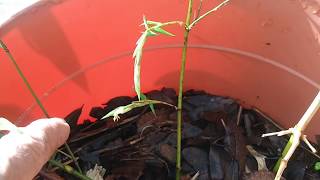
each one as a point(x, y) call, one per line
point(79, 52)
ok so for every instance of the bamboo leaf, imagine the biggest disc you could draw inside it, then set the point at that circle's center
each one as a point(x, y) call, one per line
point(162, 31)
point(151, 33)
point(137, 63)
point(135, 104)
point(145, 23)
point(144, 97)
point(137, 54)
point(153, 23)
point(140, 43)
point(6, 125)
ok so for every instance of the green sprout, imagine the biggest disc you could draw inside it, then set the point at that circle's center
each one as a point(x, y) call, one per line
point(153, 28)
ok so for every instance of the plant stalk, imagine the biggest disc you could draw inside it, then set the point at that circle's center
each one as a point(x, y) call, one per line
point(308, 115)
point(34, 95)
point(283, 154)
point(170, 23)
point(24, 78)
point(73, 157)
point(70, 170)
point(188, 28)
point(300, 127)
point(207, 13)
point(181, 80)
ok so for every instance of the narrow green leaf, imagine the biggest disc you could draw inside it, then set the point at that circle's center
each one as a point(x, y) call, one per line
point(135, 104)
point(137, 54)
point(144, 97)
point(145, 23)
point(141, 41)
point(6, 125)
point(137, 62)
point(153, 23)
point(151, 33)
point(162, 31)
point(1, 135)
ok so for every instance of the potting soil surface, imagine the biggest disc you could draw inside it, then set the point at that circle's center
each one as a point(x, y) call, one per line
point(219, 141)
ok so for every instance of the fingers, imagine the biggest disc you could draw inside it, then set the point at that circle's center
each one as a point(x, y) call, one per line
point(51, 133)
point(23, 155)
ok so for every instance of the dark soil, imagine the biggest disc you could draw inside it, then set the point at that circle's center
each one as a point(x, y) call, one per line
point(214, 141)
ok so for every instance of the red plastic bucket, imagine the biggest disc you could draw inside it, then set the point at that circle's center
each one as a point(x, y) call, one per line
point(264, 53)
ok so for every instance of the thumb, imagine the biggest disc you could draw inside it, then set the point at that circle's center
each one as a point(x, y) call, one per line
point(23, 155)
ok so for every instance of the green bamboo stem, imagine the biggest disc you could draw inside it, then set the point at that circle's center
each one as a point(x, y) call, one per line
point(70, 170)
point(283, 154)
point(34, 95)
point(188, 28)
point(182, 72)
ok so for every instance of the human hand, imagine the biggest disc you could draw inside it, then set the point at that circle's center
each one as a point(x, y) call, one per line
point(22, 155)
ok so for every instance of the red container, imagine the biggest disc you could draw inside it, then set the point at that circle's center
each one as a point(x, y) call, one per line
point(265, 53)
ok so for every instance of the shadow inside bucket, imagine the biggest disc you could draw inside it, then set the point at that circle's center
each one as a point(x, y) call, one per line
point(45, 36)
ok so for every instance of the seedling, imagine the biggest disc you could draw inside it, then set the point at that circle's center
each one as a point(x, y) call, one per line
point(153, 28)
